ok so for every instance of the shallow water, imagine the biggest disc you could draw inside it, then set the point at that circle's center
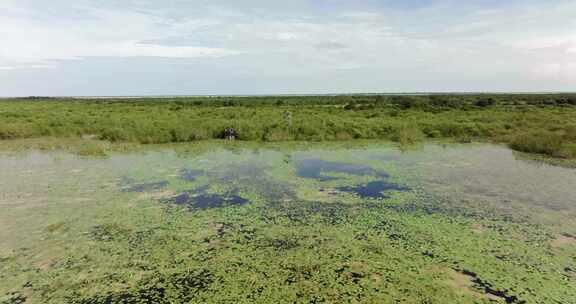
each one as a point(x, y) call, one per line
point(374, 189)
point(267, 215)
point(317, 169)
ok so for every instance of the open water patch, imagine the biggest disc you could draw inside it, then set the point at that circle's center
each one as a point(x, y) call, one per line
point(190, 175)
point(254, 177)
point(144, 187)
point(200, 199)
point(376, 189)
point(315, 169)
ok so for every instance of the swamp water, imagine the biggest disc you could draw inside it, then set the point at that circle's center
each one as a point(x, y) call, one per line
point(235, 223)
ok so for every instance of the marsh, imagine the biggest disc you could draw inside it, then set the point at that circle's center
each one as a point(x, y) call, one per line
point(257, 223)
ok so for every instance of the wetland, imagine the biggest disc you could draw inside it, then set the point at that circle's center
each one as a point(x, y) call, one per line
point(298, 222)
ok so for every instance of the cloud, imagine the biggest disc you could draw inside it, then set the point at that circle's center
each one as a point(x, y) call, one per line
point(36, 42)
point(331, 45)
point(335, 45)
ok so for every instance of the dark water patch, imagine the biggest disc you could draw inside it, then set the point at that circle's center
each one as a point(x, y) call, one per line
point(181, 199)
point(145, 187)
point(374, 189)
point(199, 199)
point(273, 191)
point(255, 178)
point(315, 168)
point(190, 175)
point(248, 171)
point(206, 201)
point(489, 289)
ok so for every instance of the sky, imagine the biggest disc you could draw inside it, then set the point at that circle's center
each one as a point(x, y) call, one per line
point(238, 47)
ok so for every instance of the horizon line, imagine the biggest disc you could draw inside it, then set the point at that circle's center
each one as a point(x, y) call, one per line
point(294, 95)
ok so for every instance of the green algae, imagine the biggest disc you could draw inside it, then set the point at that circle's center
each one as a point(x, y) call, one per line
point(71, 233)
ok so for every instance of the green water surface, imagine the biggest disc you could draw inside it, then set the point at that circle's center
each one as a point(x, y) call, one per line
point(298, 223)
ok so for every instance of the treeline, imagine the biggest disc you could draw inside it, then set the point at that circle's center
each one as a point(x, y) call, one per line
point(405, 101)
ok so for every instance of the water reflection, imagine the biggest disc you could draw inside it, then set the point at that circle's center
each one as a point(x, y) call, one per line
point(201, 199)
point(315, 169)
point(376, 189)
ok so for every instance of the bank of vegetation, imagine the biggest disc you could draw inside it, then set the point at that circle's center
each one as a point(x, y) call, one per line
point(534, 123)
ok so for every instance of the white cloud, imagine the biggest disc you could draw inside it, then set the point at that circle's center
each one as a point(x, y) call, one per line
point(460, 45)
point(562, 72)
point(29, 42)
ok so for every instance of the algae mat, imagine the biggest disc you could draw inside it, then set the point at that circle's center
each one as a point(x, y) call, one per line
point(306, 223)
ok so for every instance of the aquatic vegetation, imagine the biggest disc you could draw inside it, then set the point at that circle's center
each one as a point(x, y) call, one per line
point(360, 224)
point(181, 287)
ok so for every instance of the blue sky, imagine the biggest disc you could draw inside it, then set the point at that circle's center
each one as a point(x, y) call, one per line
point(197, 47)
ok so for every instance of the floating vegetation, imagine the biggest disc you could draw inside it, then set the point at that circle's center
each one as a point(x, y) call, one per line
point(108, 232)
point(56, 227)
point(179, 287)
point(13, 298)
point(253, 224)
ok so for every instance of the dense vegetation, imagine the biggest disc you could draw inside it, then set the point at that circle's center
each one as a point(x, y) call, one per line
point(537, 123)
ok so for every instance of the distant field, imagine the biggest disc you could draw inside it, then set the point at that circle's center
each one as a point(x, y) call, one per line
point(544, 124)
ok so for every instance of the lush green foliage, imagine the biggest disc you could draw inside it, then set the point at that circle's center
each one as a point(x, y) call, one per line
point(545, 142)
point(406, 119)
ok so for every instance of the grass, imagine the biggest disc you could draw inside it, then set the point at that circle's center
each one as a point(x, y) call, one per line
point(512, 119)
point(545, 142)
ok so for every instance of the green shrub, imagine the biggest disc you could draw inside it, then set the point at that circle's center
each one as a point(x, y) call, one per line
point(408, 135)
point(94, 149)
point(540, 142)
point(114, 135)
point(405, 119)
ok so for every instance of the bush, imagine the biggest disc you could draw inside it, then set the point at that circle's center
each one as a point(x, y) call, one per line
point(541, 142)
point(114, 135)
point(408, 135)
point(93, 149)
point(485, 102)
